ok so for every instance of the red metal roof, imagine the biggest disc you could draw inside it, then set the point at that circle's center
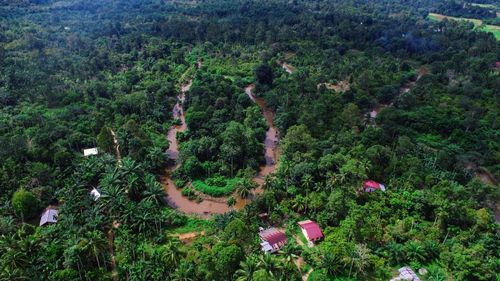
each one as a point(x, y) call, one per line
point(273, 236)
point(372, 184)
point(312, 229)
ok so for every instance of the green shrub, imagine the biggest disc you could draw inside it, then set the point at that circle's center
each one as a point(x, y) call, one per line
point(216, 186)
point(25, 203)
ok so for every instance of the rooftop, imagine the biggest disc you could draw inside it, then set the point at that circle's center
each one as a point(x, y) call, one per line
point(273, 236)
point(90, 151)
point(49, 216)
point(312, 229)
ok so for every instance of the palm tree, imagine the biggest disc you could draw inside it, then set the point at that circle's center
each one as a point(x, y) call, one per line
point(95, 244)
point(231, 201)
point(129, 167)
point(112, 199)
point(360, 259)
point(299, 203)
point(244, 188)
point(111, 177)
point(331, 263)
point(415, 251)
point(154, 192)
point(332, 180)
point(290, 252)
point(247, 268)
point(269, 264)
point(170, 253)
point(13, 255)
point(185, 272)
point(396, 252)
point(307, 181)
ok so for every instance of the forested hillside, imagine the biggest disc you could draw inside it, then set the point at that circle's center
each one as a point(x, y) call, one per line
point(216, 119)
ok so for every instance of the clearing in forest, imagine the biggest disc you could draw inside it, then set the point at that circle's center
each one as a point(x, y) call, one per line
point(487, 6)
point(340, 87)
point(478, 24)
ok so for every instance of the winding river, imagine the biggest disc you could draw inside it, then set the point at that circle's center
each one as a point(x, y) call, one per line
point(270, 142)
point(211, 205)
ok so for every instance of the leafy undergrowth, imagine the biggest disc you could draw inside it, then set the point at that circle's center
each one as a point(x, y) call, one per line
point(217, 186)
point(194, 224)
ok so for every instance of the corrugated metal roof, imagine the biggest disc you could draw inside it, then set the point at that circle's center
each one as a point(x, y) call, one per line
point(373, 184)
point(90, 151)
point(49, 216)
point(312, 229)
point(273, 236)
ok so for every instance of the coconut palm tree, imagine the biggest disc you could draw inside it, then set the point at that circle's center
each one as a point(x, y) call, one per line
point(112, 199)
point(289, 253)
point(231, 202)
point(185, 272)
point(269, 264)
point(170, 253)
point(359, 259)
point(154, 192)
point(247, 268)
point(94, 244)
point(331, 263)
point(244, 187)
point(129, 167)
point(307, 181)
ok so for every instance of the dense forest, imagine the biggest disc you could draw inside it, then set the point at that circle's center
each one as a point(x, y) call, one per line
point(213, 119)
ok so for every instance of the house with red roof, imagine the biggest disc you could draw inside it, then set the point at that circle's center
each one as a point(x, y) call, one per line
point(311, 231)
point(371, 186)
point(272, 239)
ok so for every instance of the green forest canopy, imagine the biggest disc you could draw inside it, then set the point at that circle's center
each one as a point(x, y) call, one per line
point(75, 72)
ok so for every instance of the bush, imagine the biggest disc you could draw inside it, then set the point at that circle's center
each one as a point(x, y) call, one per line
point(216, 186)
point(25, 204)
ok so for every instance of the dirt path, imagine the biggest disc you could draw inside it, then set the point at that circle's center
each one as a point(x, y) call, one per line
point(485, 177)
point(117, 146)
point(299, 262)
point(340, 87)
point(405, 89)
point(111, 239)
point(306, 276)
point(297, 239)
point(288, 68)
point(188, 237)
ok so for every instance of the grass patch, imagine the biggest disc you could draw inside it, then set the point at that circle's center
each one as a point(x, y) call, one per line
point(440, 17)
point(478, 24)
point(301, 236)
point(493, 29)
point(217, 186)
point(194, 224)
point(487, 6)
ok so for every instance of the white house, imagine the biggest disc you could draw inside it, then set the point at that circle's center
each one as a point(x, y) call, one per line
point(90, 151)
point(95, 193)
point(49, 216)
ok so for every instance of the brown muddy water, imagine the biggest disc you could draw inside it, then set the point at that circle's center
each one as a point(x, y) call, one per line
point(211, 205)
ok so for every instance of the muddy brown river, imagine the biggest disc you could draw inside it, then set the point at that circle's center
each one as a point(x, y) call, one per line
point(211, 205)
